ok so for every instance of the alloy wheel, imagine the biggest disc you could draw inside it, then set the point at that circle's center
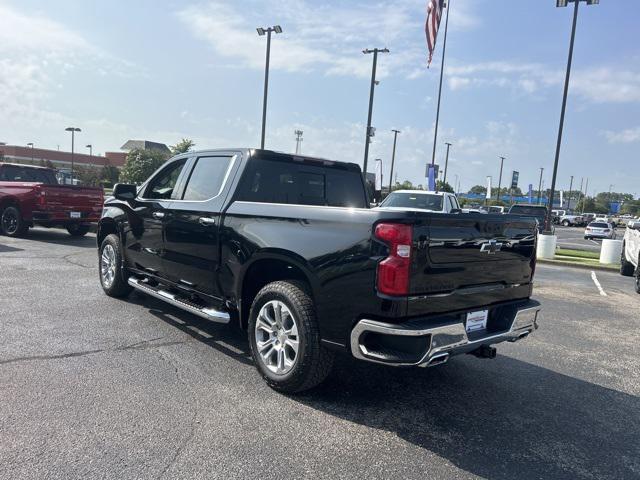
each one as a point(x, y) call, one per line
point(9, 222)
point(276, 335)
point(108, 265)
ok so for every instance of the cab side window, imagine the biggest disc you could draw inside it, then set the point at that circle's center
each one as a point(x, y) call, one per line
point(161, 186)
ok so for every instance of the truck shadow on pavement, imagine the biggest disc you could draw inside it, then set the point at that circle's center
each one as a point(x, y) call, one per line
point(60, 237)
point(498, 419)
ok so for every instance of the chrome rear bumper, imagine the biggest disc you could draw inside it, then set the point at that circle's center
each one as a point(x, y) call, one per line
point(433, 345)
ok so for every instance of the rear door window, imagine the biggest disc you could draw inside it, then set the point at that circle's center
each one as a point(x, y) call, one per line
point(207, 178)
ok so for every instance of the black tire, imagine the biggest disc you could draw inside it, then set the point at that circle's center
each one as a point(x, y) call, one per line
point(565, 223)
point(118, 286)
point(626, 268)
point(313, 362)
point(11, 222)
point(586, 238)
point(77, 230)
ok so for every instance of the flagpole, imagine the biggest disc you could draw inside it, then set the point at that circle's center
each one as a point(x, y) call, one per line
point(444, 47)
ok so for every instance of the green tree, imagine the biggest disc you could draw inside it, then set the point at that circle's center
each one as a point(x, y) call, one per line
point(109, 174)
point(478, 189)
point(406, 185)
point(631, 207)
point(87, 175)
point(182, 146)
point(444, 187)
point(140, 164)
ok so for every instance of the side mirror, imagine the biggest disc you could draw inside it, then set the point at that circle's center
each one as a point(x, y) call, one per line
point(124, 191)
point(373, 205)
point(455, 210)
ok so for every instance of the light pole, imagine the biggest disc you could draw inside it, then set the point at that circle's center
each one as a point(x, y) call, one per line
point(393, 156)
point(446, 162)
point(298, 140)
point(563, 3)
point(73, 131)
point(540, 185)
point(569, 196)
point(369, 132)
point(455, 187)
point(261, 32)
point(500, 177)
point(30, 144)
point(90, 147)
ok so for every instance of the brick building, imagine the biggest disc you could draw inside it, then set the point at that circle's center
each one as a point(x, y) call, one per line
point(58, 159)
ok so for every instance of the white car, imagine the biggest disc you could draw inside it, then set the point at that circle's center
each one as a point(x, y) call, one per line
point(421, 200)
point(599, 230)
point(630, 258)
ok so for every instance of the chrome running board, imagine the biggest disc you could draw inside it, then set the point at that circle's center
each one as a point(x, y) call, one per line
point(204, 312)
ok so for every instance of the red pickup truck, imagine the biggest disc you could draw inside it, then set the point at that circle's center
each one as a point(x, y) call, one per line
point(31, 196)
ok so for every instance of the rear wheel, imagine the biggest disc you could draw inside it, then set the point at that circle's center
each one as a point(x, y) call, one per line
point(112, 278)
point(626, 267)
point(284, 338)
point(77, 230)
point(11, 223)
point(565, 223)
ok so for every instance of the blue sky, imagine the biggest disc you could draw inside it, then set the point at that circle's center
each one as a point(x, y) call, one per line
point(162, 70)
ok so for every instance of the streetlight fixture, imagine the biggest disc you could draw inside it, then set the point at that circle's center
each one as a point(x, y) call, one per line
point(393, 156)
point(261, 32)
point(370, 130)
point(30, 144)
point(500, 177)
point(563, 3)
point(73, 131)
point(298, 140)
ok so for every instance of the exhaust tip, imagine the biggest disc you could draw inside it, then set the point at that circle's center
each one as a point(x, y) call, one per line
point(438, 359)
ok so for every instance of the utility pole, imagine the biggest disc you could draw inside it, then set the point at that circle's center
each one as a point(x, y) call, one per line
point(370, 132)
point(540, 185)
point(500, 177)
point(261, 32)
point(298, 141)
point(580, 194)
point(563, 3)
point(446, 162)
point(569, 196)
point(586, 194)
point(90, 147)
point(393, 157)
point(30, 144)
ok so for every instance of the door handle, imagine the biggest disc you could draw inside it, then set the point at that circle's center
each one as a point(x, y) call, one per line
point(158, 215)
point(207, 221)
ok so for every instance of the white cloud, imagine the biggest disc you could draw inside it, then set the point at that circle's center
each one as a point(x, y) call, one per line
point(321, 37)
point(629, 135)
point(609, 84)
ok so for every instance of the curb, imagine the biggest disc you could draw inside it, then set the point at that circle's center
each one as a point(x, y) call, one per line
point(577, 265)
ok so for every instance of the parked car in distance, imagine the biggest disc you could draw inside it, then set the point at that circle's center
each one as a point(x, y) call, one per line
point(286, 247)
point(600, 230)
point(421, 200)
point(588, 217)
point(630, 257)
point(566, 219)
point(536, 211)
point(31, 195)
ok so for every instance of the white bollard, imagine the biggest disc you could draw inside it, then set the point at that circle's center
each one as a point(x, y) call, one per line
point(610, 251)
point(546, 246)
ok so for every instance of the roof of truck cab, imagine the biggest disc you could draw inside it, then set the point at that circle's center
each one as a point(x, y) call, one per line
point(292, 156)
point(24, 165)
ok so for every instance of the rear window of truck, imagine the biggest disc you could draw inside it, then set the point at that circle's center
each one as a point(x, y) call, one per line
point(275, 181)
point(15, 173)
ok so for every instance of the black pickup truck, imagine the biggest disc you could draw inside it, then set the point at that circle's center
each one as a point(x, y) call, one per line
point(288, 248)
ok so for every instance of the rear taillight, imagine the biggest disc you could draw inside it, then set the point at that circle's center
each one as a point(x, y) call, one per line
point(393, 271)
point(41, 196)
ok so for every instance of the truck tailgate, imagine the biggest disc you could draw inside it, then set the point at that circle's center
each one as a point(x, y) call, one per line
point(70, 198)
point(468, 253)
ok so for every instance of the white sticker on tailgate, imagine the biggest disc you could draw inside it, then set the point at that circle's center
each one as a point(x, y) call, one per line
point(477, 320)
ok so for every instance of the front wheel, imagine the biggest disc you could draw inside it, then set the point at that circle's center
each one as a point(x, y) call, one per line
point(112, 277)
point(284, 338)
point(565, 223)
point(11, 222)
point(77, 230)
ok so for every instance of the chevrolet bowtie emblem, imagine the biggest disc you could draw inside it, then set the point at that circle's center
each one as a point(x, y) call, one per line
point(491, 247)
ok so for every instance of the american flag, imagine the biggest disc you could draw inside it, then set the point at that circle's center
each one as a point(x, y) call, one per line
point(434, 14)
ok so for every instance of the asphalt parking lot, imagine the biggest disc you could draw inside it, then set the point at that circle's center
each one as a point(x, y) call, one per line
point(93, 387)
point(573, 238)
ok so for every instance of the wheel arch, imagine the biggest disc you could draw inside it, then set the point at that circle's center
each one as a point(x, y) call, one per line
point(270, 266)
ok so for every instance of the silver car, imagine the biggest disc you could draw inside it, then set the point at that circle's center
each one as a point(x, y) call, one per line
point(600, 230)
